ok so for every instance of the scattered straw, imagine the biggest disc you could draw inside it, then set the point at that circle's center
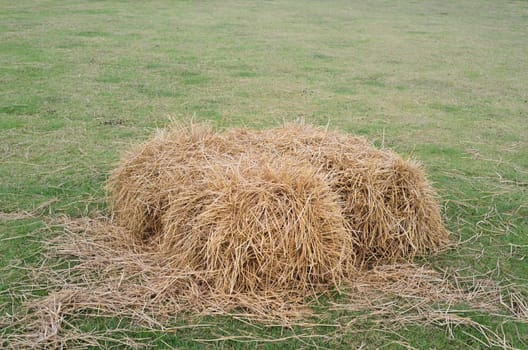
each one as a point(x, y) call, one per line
point(251, 223)
point(109, 277)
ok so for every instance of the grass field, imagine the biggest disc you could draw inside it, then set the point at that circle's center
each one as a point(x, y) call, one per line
point(445, 82)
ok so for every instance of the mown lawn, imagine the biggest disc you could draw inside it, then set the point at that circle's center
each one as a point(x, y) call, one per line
point(443, 82)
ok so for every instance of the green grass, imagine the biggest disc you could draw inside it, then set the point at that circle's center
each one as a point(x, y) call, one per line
point(443, 82)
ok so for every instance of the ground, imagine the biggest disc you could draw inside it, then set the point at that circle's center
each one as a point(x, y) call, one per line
point(443, 82)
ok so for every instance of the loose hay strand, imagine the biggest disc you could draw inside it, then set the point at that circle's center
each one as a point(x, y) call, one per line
point(134, 285)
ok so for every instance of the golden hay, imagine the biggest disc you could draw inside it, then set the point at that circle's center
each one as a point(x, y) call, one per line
point(248, 224)
point(290, 208)
point(261, 224)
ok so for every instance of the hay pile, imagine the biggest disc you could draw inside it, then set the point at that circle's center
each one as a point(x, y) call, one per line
point(248, 224)
point(282, 211)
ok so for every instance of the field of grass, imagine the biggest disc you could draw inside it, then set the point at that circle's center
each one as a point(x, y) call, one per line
point(445, 82)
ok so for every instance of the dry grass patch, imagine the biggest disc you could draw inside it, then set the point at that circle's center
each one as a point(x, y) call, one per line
point(241, 222)
point(277, 212)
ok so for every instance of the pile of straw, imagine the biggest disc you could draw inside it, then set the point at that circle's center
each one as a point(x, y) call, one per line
point(242, 222)
point(285, 210)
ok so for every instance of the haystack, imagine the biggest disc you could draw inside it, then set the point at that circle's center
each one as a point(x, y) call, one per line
point(290, 208)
